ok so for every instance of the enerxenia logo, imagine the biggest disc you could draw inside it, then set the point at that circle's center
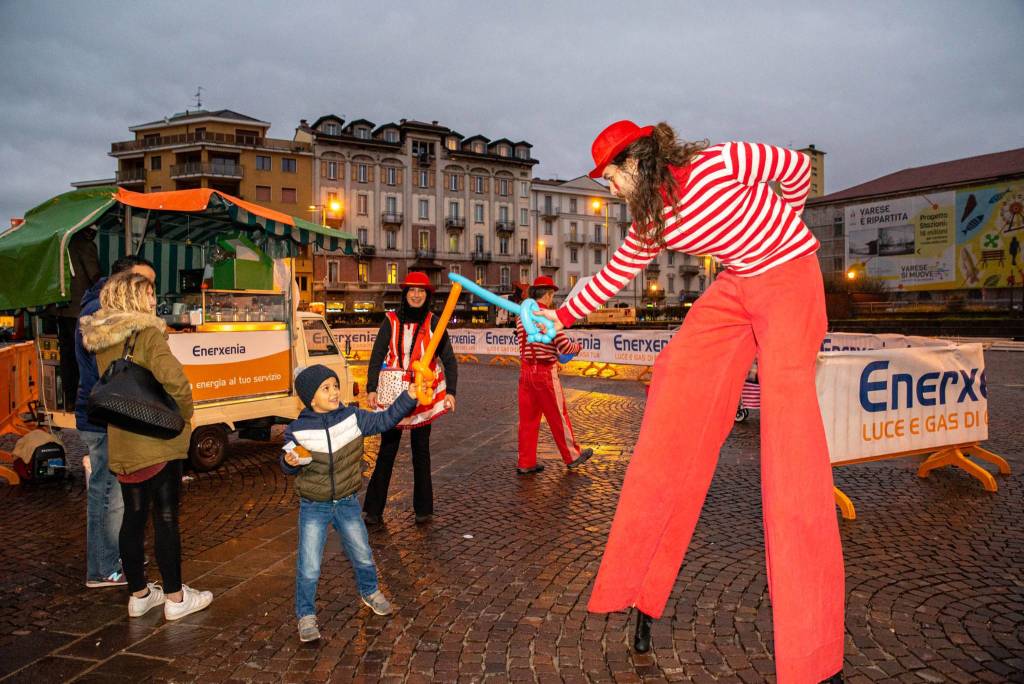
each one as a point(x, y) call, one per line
point(881, 391)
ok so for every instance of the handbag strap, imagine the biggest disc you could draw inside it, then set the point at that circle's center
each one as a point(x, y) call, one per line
point(129, 346)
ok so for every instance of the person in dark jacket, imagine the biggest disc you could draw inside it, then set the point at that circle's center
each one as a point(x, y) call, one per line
point(403, 338)
point(324, 449)
point(84, 269)
point(104, 505)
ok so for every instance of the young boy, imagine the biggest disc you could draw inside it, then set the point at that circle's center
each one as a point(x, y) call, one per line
point(324, 447)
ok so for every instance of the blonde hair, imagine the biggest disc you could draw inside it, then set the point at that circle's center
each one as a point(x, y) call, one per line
point(127, 291)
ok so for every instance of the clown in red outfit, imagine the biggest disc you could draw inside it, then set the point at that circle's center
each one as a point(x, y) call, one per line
point(540, 392)
point(769, 304)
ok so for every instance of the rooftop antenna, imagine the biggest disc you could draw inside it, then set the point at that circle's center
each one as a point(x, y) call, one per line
point(199, 96)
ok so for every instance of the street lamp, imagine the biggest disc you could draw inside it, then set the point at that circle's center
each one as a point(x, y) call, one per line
point(334, 206)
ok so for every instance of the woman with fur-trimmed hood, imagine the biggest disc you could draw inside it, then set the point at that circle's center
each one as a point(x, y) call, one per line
point(147, 468)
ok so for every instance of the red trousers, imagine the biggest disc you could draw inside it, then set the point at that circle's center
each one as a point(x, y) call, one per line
point(780, 317)
point(540, 393)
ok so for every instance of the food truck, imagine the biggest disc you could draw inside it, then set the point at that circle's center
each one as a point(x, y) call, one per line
point(225, 288)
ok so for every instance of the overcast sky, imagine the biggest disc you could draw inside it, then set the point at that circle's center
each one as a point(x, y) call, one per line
point(879, 86)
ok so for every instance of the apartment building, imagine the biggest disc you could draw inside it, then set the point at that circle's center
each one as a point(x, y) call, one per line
point(578, 224)
point(419, 196)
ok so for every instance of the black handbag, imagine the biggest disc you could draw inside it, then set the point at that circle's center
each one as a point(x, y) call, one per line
point(130, 398)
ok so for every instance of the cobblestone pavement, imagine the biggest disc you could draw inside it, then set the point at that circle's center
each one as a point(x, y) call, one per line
point(495, 589)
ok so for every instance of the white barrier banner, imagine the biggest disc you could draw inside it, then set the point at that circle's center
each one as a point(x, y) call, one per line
point(841, 341)
point(891, 401)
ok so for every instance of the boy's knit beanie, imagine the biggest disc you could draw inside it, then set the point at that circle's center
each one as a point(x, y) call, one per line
point(309, 379)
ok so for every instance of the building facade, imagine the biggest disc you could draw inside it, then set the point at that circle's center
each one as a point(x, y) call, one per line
point(419, 196)
point(953, 229)
point(578, 224)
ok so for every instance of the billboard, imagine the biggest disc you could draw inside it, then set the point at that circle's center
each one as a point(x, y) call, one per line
point(968, 238)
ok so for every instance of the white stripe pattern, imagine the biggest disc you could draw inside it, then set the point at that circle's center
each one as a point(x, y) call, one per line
point(341, 433)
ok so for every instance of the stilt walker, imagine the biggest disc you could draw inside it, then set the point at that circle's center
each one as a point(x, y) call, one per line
point(768, 303)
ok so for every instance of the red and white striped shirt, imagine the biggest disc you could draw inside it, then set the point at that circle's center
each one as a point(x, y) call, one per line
point(725, 209)
point(542, 352)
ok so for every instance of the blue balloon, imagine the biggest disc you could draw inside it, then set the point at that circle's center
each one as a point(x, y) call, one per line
point(538, 328)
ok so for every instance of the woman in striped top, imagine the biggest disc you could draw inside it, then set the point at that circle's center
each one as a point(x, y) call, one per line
point(768, 303)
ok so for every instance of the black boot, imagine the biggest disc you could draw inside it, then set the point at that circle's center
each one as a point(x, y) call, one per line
point(837, 678)
point(642, 637)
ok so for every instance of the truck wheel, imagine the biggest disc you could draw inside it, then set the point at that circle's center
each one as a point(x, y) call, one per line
point(209, 447)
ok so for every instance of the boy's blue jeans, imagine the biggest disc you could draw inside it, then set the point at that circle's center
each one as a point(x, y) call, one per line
point(104, 510)
point(315, 517)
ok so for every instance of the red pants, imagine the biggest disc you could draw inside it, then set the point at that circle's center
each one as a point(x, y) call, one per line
point(540, 392)
point(780, 317)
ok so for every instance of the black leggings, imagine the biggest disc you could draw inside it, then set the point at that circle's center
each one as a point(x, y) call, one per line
point(162, 489)
point(422, 489)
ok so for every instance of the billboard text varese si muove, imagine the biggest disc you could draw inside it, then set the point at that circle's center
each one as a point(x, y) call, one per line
point(968, 238)
point(234, 364)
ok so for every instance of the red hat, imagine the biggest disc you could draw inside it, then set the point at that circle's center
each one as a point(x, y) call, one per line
point(417, 279)
point(612, 140)
point(544, 281)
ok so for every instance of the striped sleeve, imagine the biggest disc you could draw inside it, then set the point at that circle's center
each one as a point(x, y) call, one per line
point(753, 163)
point(565, 345)
point(628, 260)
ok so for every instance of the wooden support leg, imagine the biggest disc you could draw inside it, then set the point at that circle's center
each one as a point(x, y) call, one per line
point(954, 457)
point(845, 504)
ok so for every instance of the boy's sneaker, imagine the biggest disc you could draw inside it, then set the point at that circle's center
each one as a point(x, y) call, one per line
point(114, 579)
point(378, 603)
point(581, 459)
point(308, 630)
point(192, 601)
point(137, 607)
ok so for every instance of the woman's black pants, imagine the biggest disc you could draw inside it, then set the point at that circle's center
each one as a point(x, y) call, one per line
point(162, 491)
point(422, 491)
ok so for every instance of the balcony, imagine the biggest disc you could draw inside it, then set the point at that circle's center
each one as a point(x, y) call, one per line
point(688, 269)
point(573, 239)
point(391, 219)
point(130, 176)
point(505, 288)
point(428, 254)
point(367, 250)
point(479, 256)
point(526, 258)
point(209, 138)
point(551, 263)
point(597, 242)
point(454, 223)
point(654, 267)
point(206, 169)
point(507, 227)
point(549, 213)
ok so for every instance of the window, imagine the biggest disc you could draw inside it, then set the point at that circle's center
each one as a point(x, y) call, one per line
point(332, 272)
point(424, 209)
point(424, 239)
point(391, 239)
point(478, 147)
point(524, 217)
point(547, 255)
point(522, 153)
point(453, 244)
point(319, 340)
point(364, 237)
point(671, 283)
point(574, 255)
point(478, 184)
point(598, 233)
point(422, 150)
point(361, 173)
point(361, 204)
point(524, 189)
point(453, 210)
point(289, 196)
point(572, 280)
point(288, 165)
point(622, 232)
point(424, 178)
point(671, 257)
point(573, 233)
point(524, 245)
point(452, 143)
point(331, 129)
point(524, 275)
point(598, 257)
point(364, 272)
point(392, 274)
point(547, 204)
point(478, 212)
point(572, 205)
point(453, 182)
point(503, 187)
point(332, 170)
point(263, 193)
point(391, 135)
point(478, 242)
point(363, 133)
point(302, 282)
point(156, 162)
point(503, 245)
point(391, 205)
point(391, 175)
point(503, 150)
point(503, 213)
point(506, 279)
point(455, 268)
point(481, 275)
point(547, 228)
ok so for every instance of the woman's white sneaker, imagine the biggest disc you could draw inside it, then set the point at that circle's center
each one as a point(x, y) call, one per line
point(137, 607)
point(192, 601)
